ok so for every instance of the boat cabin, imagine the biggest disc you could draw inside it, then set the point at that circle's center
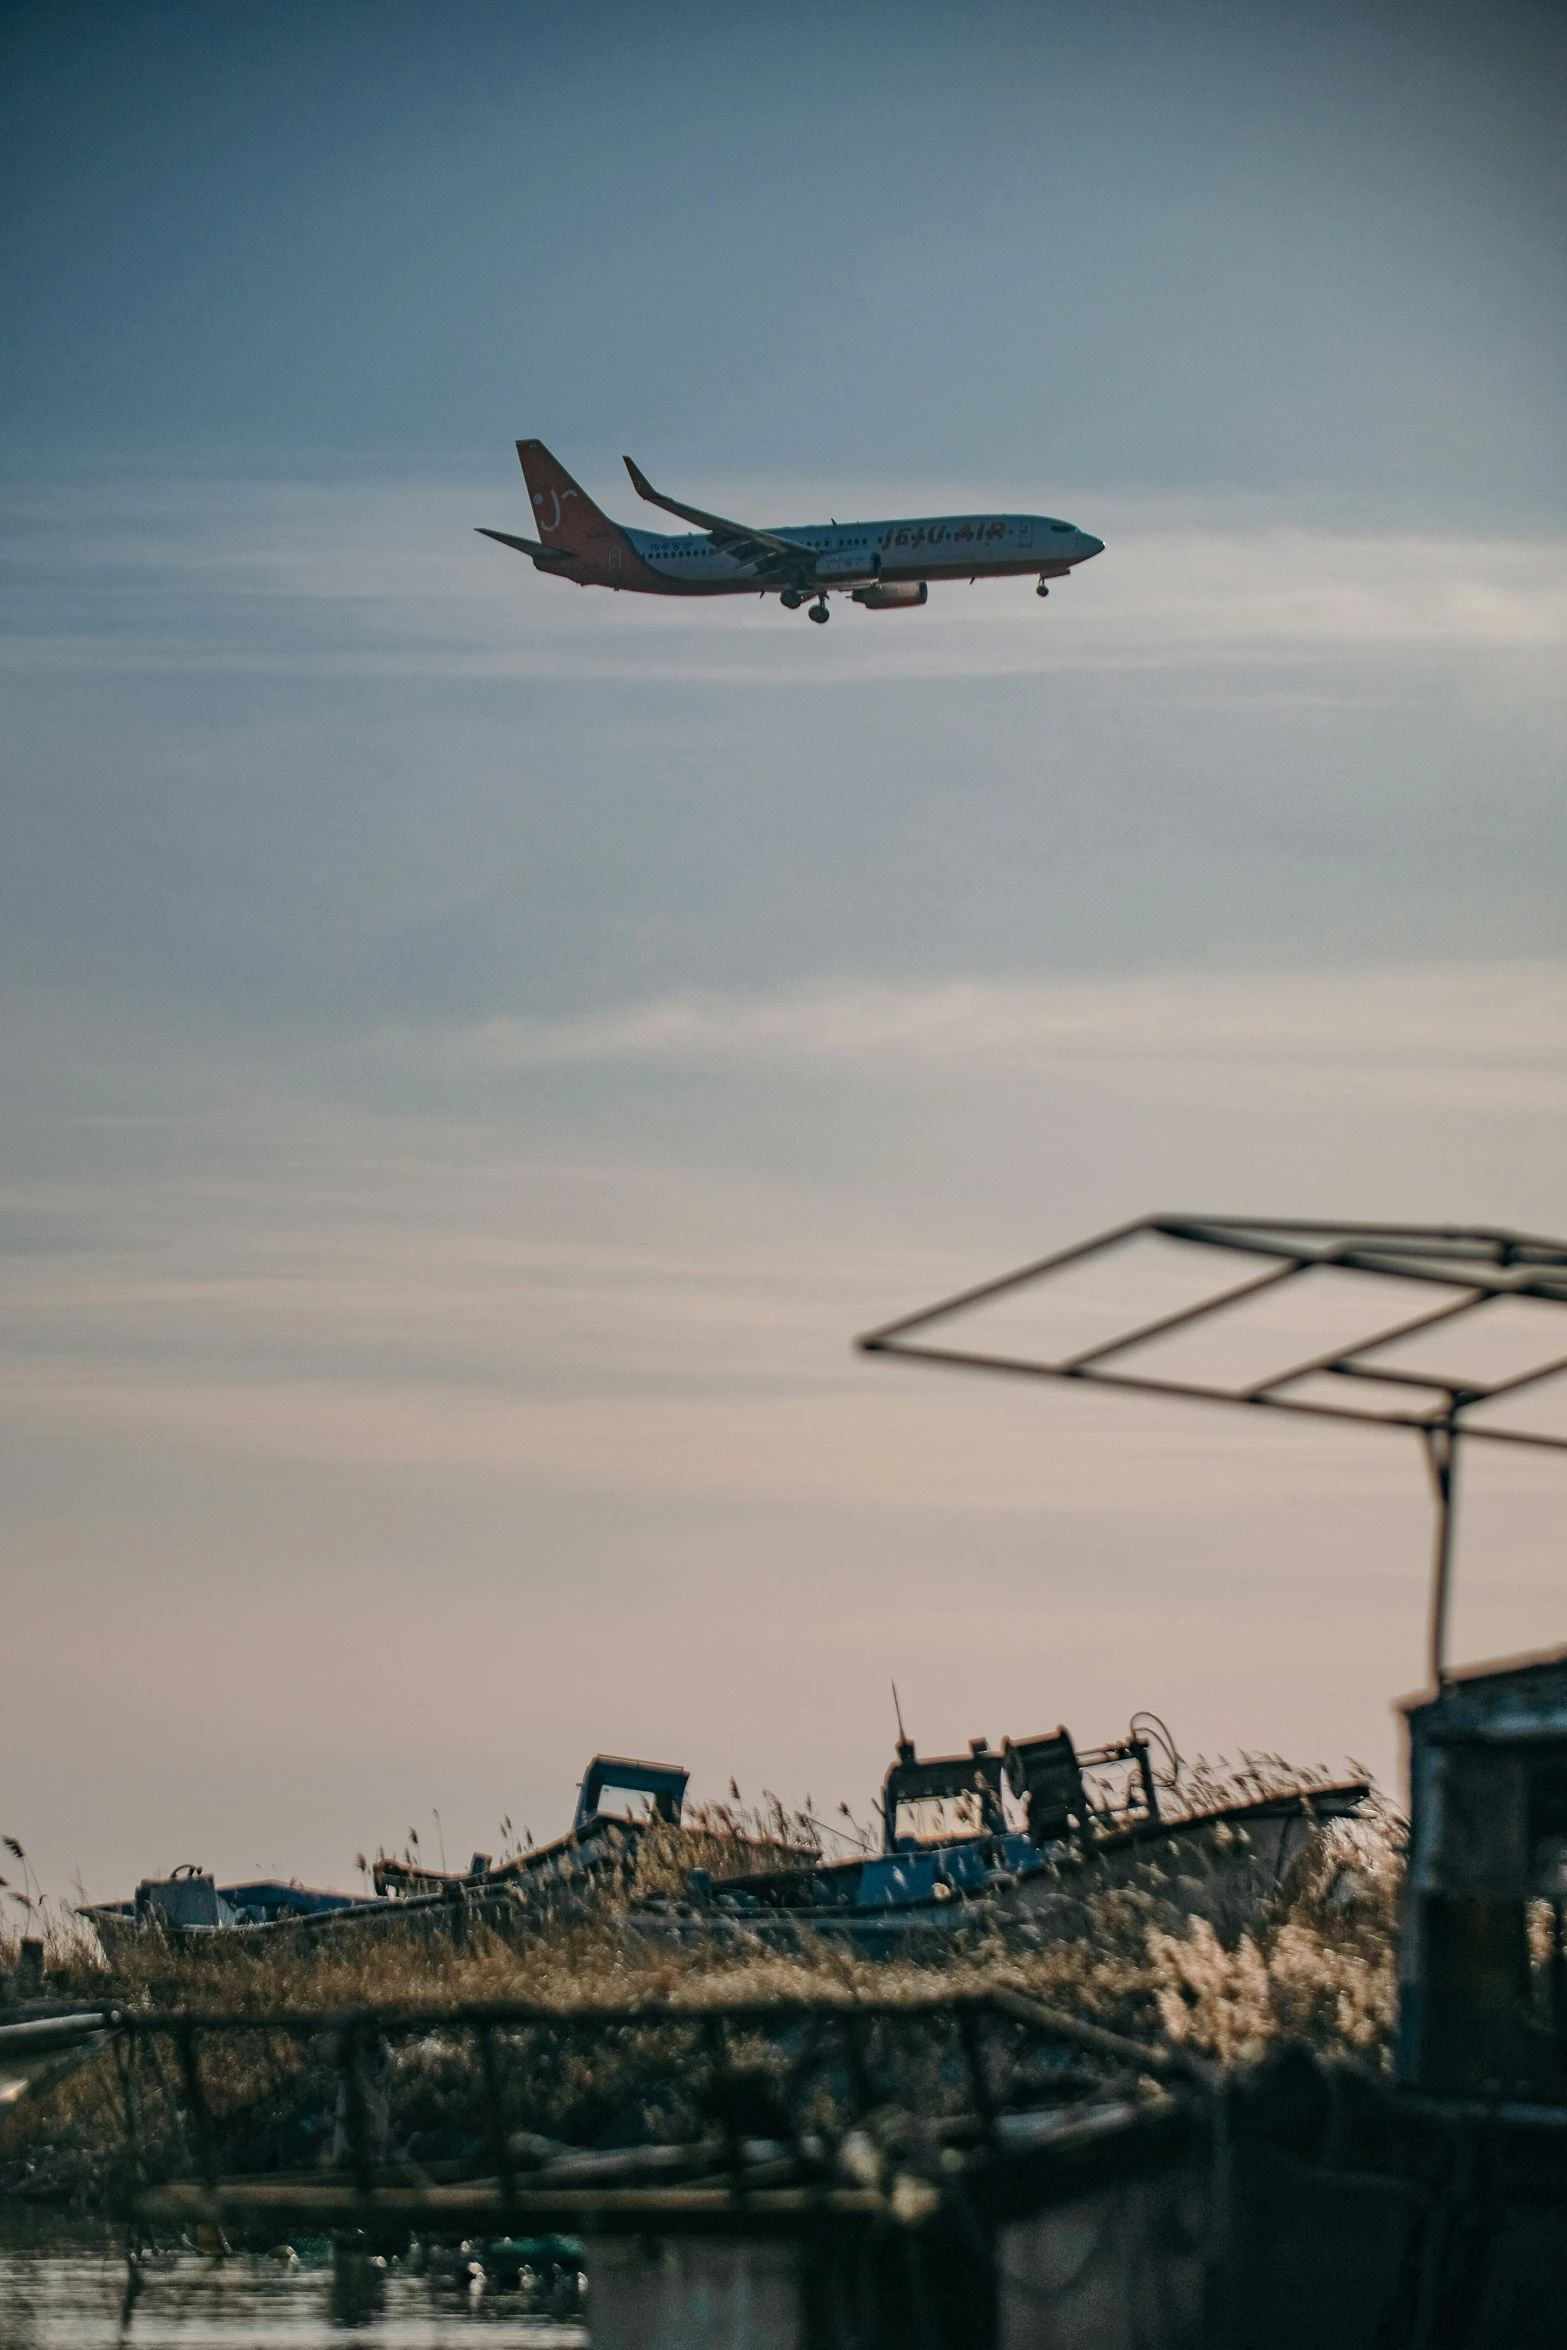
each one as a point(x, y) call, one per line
point(945, 1799)
point(619, 1787)
point(952, 1798)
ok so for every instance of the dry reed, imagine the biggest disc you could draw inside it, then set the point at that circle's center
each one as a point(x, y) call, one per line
point(1315, 1965)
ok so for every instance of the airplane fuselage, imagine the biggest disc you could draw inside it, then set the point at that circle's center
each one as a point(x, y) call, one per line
point(839, 554)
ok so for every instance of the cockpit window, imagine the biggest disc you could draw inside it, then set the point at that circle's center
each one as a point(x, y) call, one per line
point(1060, 526)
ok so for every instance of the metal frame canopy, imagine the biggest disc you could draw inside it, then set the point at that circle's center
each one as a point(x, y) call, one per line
point(1469, 1267)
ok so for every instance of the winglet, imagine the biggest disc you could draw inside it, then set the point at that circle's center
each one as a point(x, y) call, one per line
point(640, 483)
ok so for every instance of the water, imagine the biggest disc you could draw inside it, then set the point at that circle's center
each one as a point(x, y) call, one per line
point(62, 2287)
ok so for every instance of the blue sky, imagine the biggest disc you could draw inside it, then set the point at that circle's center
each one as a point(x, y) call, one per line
point(1311, 247)
point(475, 1051)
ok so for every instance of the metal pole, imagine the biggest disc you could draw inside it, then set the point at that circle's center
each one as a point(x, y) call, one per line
point(1441, 1444)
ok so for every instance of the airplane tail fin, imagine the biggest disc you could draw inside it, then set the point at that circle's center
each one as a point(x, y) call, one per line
point(562, 510)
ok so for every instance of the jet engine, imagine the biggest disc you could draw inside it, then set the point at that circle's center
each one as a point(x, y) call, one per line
point(891, 595)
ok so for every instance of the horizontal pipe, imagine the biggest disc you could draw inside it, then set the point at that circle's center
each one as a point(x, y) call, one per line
point(953, 1358)
point(1162, 2062)
point(453, 2208)
point(519, 2014)
point(1161, 1328)
point(45, 2033)
point(873, 1340)
point(1364, 1346)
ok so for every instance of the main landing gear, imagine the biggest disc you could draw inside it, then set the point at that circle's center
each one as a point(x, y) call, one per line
point(819, 609)
point(791, 599)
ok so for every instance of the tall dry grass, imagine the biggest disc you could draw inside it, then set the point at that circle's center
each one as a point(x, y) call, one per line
point(1316, 1966)
point(1316, 1961)
point(27, 1914)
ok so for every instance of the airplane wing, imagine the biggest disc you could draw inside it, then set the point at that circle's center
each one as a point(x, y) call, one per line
point(540, 554)
point(772, 556)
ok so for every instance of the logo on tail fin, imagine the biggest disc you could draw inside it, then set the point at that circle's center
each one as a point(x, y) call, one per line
point(554, 522)
point(552, 489)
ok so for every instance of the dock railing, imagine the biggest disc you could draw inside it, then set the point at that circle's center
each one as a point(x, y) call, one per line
point(834, 2123)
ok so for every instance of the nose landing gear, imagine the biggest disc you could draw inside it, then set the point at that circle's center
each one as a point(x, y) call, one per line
point(1041, 590)
point(819, 609)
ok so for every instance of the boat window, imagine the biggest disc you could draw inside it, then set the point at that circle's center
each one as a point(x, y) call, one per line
point(933, 1817)
point(624, 1803)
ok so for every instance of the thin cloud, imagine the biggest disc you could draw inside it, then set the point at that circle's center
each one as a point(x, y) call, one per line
point(861, 1440)
point(389, 579)
point(1450, 1034)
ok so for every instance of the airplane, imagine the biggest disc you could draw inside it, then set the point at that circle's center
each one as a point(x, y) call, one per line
point(883, 566)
